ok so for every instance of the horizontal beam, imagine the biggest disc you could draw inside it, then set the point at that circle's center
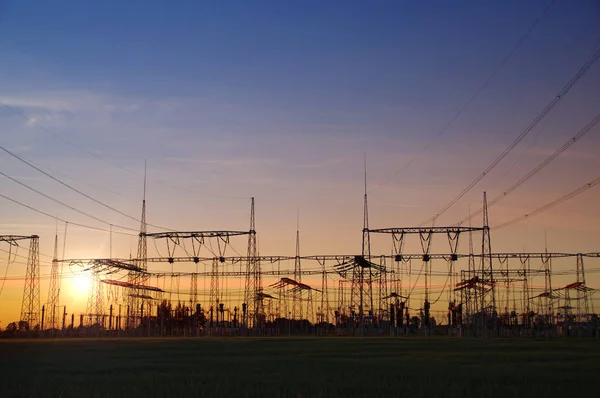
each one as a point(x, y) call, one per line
point(242, 273)
point(105, 262)
point(424, 230)
point(194, 234)
point(131, 285)
point(14, 238)
point(340, 258)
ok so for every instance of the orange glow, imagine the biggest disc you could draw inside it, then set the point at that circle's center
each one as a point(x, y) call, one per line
point(79, 286)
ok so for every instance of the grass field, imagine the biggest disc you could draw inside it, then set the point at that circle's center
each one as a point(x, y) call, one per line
point(305, 367)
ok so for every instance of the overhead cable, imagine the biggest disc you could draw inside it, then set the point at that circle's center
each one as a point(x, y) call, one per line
point(550, 205)
point(75, 189)
point(62, 220)
point(582, 71)
point(471, 99)
point(539, 167)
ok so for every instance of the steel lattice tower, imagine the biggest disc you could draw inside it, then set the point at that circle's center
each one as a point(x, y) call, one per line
point(297, 303)
point(30, 307)
point(471, 302)
point(488, 299)
point(361, 278)
point(53, 291)
point(95, 304)
point(214, 284)
point(309, 307)
point(194, 290)
point(253, 282)
point(549, 299)
point(324, 297)
point(135, 301)
point(582, 292)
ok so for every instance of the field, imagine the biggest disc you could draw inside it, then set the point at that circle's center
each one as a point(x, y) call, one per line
point(299, 367)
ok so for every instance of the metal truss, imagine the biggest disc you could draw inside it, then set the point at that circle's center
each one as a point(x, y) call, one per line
point(105, 265)
point(130, 286)
point(176, 235)
point(424, 230)
point(12, 239)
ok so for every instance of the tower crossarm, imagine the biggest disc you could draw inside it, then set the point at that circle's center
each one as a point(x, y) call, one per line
point(424, 230)
point(195, 234)
point(12, 239)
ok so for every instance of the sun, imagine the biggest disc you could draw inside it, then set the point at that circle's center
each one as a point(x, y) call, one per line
point(80, 285)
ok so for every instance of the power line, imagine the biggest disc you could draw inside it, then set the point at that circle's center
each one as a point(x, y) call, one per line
point(539, 167)
point(35, 122)
point(589, 63)
point(473, 97)
point(8, 263)
point(64, 204)
point(103, 159)
point(533, 142)
point(75, 189)
point(45, 263)
point(62, 220)
point(550, 205)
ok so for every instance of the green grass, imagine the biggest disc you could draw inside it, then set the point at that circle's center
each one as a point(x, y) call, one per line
point(292, 367)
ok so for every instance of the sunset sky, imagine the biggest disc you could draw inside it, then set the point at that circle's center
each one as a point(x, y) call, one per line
point(281, 101)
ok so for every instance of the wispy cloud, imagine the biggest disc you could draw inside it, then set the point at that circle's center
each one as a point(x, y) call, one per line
point(323, 163)
point(223, 162)
point(395, 205)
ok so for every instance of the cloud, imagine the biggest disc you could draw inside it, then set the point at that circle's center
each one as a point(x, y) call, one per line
point(324, 163)
point(224, 162)
point(395, 205)
point(31, 122)
point(37, 102)
point(87, 103)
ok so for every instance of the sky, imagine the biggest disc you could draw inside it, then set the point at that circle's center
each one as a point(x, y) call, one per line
point(282, 101)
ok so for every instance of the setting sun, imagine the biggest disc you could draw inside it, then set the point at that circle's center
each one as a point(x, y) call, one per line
point(80, 286)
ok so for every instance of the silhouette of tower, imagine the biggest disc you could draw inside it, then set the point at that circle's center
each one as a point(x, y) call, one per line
point(361, 297)
point(30, 307)
point(324, 297)
point(95, 303)
point(253, 288)
point(194, 290)
point(214, 284)
point(297, 293)
point(549, 299)
point(53, 291)
point(309, 306)
point(137, 279)
point(488, 297)
point(582, 292)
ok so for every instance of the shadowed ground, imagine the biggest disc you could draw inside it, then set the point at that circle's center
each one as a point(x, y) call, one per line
point(291, 367)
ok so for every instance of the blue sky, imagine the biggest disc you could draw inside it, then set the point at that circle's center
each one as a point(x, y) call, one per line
point(280, 100)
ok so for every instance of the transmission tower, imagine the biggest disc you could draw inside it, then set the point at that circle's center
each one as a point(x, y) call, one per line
point(214, 284)
point(582, 292)
point(194, 290)
point(549, 302)
point(54, 290)
point(253, 287)
point(30, 307)
point(488, 298)
point(471, 304)
point(361, 278)
point(136, 278)
point(324, 297)
point(297, 304)
point(95, 304)
point(309, 307)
